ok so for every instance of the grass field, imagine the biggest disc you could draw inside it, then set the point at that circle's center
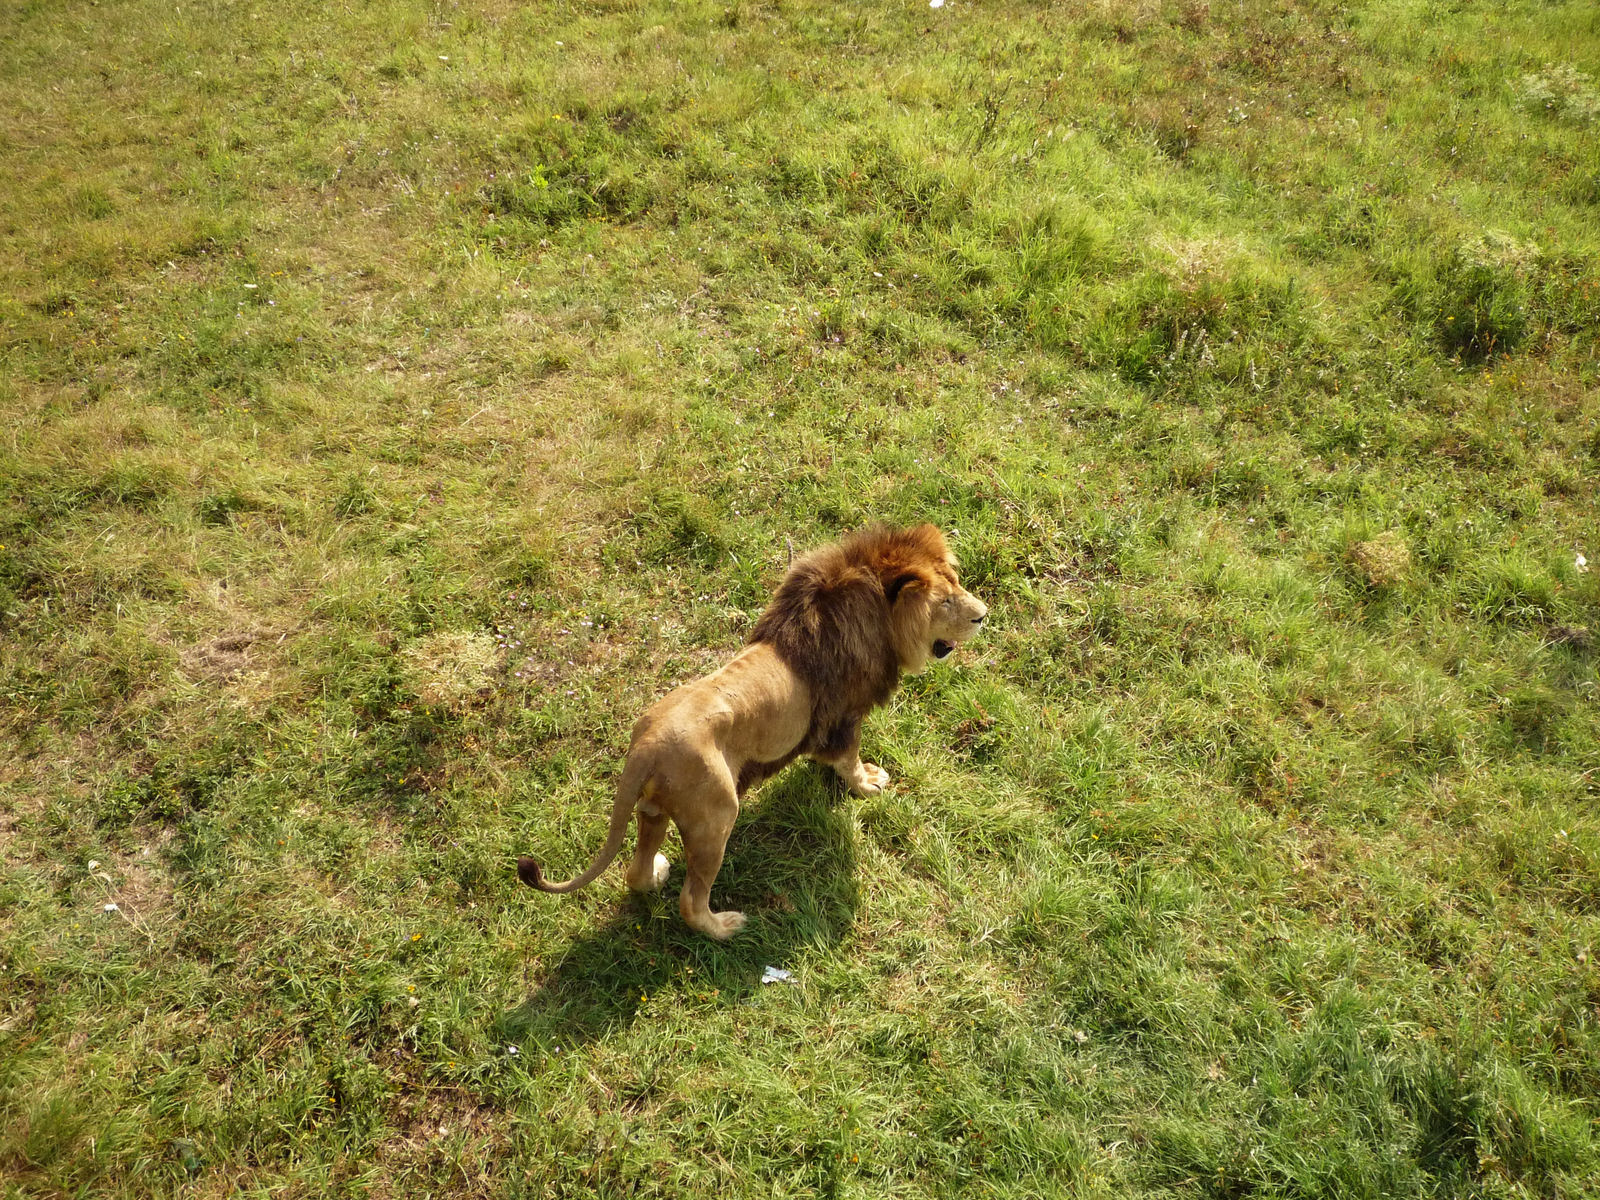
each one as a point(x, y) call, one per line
point(397, 396)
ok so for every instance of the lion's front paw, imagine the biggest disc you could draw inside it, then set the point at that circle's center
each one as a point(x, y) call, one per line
point(870, 779)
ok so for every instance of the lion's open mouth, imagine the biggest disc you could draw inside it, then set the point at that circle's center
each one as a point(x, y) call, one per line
point(942, 649)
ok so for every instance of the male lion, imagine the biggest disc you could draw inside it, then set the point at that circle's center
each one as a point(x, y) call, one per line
point(846, 621)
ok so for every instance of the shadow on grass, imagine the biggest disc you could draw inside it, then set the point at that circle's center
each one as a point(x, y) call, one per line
point(790, 867)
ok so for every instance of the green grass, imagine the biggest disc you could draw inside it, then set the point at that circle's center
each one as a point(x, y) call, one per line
point(398, 396)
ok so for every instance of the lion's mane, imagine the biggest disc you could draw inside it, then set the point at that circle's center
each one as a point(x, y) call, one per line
point(845, 619)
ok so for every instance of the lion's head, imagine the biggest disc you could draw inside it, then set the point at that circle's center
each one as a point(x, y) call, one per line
point(850, 617)
point(930, 612)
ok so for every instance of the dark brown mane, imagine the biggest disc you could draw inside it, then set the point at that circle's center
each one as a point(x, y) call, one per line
point(833, 622)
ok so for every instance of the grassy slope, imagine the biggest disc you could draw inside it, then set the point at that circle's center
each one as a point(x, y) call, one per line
point(1228, 863)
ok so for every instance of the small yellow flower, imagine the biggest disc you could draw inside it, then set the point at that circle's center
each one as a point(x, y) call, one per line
point(416, 937)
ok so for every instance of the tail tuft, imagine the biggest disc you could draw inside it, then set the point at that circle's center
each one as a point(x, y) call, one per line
point(528, 872)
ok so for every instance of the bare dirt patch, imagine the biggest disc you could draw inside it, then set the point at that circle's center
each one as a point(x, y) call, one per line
point(441, 1127)
point(224, 656)
point(134, 880)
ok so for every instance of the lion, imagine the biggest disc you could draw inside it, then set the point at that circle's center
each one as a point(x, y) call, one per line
point(846, 621)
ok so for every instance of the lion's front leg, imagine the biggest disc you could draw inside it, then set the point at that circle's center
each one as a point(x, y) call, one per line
point(863, 778)
point(843, 754)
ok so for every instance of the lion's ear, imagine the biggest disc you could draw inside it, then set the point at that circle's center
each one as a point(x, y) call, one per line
point(907, 579)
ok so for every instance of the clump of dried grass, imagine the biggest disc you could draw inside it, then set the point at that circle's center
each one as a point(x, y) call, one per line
point(1383, 561)
point(451, 669)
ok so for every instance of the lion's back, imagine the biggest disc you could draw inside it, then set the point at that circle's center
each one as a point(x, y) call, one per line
point(751, 707)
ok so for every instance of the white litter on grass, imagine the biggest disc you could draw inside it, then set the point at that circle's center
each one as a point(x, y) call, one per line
point(777, 975)
point(94, 863)
point(113, 908)
point(935, 3)
point(1581, 563)
point(513, 1051)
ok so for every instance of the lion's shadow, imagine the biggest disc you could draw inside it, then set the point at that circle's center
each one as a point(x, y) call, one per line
point(790, 866)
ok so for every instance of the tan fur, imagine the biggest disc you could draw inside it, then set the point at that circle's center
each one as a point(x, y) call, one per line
point(846, 621)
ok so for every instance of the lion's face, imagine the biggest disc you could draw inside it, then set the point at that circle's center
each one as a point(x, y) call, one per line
point(933, 614)
point(957, 615)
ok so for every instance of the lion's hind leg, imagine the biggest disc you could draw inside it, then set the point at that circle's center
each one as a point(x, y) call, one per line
point(704, 828)
point(649, 868)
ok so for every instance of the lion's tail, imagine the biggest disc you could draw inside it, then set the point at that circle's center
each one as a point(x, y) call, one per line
point(635, 777)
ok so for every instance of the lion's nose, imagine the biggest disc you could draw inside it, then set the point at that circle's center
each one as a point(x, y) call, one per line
point(978, 620)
